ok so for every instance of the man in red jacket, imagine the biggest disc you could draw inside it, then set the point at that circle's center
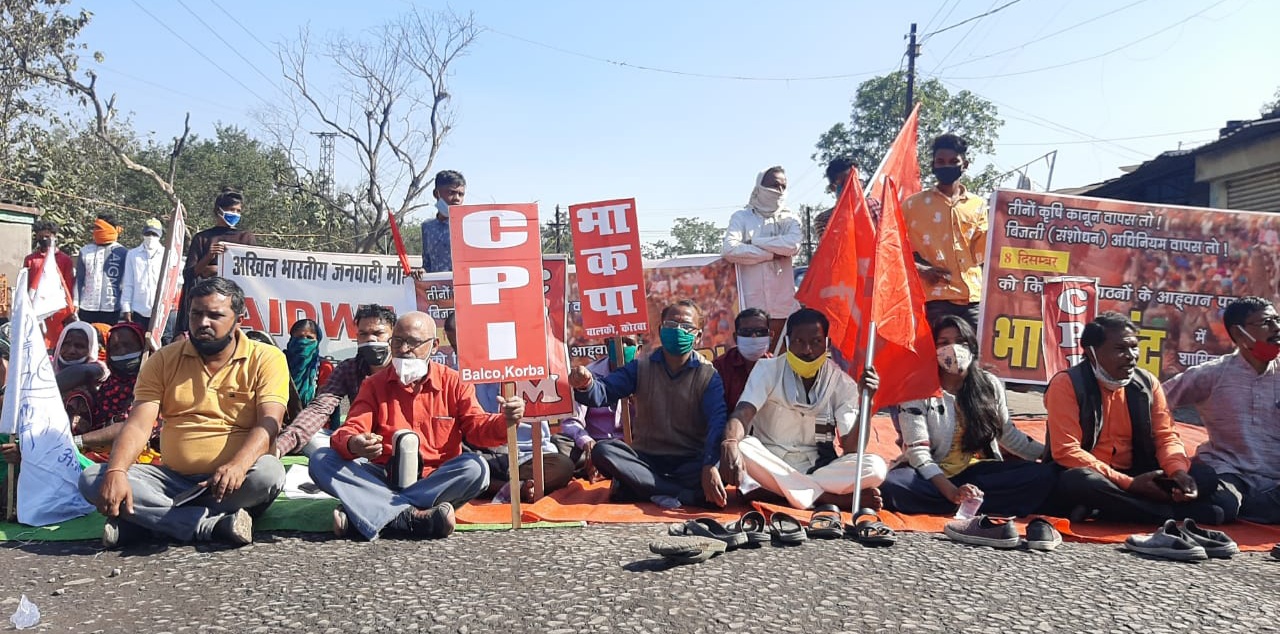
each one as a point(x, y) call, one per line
point(430, 404)
point(45, 232)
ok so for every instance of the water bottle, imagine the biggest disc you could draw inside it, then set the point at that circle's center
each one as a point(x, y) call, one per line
point(968, 508)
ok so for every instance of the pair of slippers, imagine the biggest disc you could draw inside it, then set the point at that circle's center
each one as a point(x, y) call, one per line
point(698, 540)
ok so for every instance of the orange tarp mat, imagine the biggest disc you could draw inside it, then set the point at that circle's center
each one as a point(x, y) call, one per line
point(589, 502)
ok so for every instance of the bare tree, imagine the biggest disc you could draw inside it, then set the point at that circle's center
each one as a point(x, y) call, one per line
point(389, 105)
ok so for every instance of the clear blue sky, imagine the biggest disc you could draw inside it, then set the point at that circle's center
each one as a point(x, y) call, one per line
point(540, 124)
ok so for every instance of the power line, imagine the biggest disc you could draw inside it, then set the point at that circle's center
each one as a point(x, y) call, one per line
point(976, 17)
point(1122, 138)
point(682, 73)
point(1039, 39)
point(243, 27)
point(935, 14)
point(963, 37)
point(199, 52)
point(234, 49)
point(1100, 55)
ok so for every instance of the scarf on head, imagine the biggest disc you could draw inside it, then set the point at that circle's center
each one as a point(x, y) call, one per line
point(303, 356)
point(766, 201)
point(115, 396)
point(104, 232)
point(89, 332)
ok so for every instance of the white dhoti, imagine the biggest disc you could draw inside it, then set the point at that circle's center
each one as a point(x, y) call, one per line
point(766, 470)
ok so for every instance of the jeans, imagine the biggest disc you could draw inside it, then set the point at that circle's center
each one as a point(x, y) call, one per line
point(639, 477)
point(1238, 499)
point(370, 503)
point(154, 489)
point(1088, 488)
point(1008, 488)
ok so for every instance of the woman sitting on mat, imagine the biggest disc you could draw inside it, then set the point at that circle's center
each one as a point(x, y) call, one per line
point(952, 444)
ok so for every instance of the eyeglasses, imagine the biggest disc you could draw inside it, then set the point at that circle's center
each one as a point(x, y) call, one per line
point(753, 332)
point(400, 343)
point(685, 326)
point(1268, 322)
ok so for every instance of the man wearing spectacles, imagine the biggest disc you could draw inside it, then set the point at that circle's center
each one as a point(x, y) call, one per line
point(679, 419)
point(751, 334)
point(1238, 398)
point(413, 400)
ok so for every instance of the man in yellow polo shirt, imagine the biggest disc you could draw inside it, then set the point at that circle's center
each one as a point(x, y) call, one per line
point(948, 230)
point(221, 396)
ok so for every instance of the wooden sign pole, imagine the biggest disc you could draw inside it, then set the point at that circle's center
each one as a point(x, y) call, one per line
point(539, 475)
point(11, 494)
point(625, 403)
point(513, 462)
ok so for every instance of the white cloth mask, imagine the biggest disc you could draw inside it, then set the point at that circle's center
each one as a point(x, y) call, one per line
point(410, 370)
point(955, 358)
point(752, 348)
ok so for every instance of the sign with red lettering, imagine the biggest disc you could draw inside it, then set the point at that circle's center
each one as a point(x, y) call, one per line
point(606, 243)
point(497, 267)
point(167, 295)
point(1068, 304)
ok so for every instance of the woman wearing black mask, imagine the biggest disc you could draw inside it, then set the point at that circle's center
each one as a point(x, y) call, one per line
point(115, 396)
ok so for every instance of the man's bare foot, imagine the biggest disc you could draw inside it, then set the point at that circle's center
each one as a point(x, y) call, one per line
point(527, 491)
point(871, 499)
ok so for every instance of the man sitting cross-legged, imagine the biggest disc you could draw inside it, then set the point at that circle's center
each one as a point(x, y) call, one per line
point(795, 406)
point(221, 397)
point(678, 424)
point(436, 411)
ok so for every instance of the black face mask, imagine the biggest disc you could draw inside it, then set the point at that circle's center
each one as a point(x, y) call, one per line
point(947, 174)
point(373, 354)
point(42, 243)
point(212, 346)
point(126, 367)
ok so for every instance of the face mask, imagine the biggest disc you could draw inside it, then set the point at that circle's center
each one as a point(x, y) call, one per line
point(442, 207)
point(805, 369)
point(127, 364)
point(211, 347)
point(151, 242)
point(1264, 350)
point(628, 355)
point(301, 347)
point(955, 358)
point(766, 201)
point(43, 243)
point(752, 348)
point(947, 174)
point(374, 353)
point(1107, 381)
point(79, 361)
point(676, 341)
point(231, 218)
point(410, 370)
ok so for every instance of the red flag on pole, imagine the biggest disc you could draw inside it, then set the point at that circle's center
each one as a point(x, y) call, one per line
point(399, 242)
point(905, 356)
point(834, 284)
point(902, 162)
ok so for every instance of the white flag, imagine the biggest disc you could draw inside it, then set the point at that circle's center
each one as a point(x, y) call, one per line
point(47, 483)
point(50, 294)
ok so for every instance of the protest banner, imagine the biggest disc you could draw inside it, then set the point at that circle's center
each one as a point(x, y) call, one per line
point(551, 397)
point(282, 286)
point(606, 243)
point(497, 262)
point(168, 295)
point(1171, 269)
point(48, 490)
point(1068, 303)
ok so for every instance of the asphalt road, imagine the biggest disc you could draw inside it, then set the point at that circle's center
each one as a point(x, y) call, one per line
point(602, 579)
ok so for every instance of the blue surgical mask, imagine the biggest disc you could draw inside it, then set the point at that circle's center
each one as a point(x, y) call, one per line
point(230, 217)
point(442, 207)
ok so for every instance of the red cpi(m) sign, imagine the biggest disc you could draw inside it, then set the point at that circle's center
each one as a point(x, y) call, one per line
point(497, 272)
point(1068, 304)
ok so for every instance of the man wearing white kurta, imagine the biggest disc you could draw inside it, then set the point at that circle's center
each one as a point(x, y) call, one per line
point(761, 240)
point(795, 406)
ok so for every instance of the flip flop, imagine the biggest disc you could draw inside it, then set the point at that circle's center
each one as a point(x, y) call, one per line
point(825, 523)
point(686, 550)
point(871, 532)
point(752, 525)
point(786, 529)
point(707, 527)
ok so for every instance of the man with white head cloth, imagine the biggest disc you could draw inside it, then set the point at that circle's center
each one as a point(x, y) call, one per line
point(761, 240)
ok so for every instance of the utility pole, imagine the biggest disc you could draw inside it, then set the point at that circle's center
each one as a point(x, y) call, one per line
point(808, 233)
point(913, 51)
point(559, 230)
point(326, 161)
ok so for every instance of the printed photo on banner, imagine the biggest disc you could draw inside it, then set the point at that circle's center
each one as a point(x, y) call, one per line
point(606, 243)
point(169, 294)
point(1172, 269)
point(497, 274)
point(283, 286)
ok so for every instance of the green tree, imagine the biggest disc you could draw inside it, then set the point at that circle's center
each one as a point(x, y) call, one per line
point(1273, 106)
point(689, 236)
point(877, 115)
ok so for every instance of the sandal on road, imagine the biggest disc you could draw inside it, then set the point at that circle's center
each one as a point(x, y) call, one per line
point(1216, 544)
point(686, 550)
point(868, 530)
point(707, 527)
point(825, 523)
point(753, 526)
point(786, 529)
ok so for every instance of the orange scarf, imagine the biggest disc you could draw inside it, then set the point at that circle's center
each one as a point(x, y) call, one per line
point(104, 233)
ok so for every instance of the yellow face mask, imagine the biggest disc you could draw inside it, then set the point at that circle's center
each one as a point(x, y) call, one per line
point(805, 369)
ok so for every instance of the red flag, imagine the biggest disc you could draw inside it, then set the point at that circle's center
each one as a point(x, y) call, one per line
point(905, 356)
point(395, 237)
point(901, 163)
point(834, 284)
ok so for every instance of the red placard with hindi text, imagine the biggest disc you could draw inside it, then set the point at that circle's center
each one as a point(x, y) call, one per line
point(1068, 303)
point(497, 272)
point(606, 245)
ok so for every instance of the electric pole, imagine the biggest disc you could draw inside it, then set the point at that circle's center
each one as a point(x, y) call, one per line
point(913, 51)
point(326, 161)
point(559, 231)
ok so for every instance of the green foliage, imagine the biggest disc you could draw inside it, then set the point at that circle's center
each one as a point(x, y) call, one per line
point(1273, 106)
point(689, 236)
point(879, 107)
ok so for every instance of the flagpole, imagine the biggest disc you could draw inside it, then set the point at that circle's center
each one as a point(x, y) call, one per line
point(864, 421)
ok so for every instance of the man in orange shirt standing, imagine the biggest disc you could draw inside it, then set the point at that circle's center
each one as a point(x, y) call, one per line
point(1110, 427)
point(397, 461)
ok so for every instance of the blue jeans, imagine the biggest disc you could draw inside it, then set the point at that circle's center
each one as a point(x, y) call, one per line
point(155, 487)
point(1009, 488)
point(640, 476)
point(370, 503)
